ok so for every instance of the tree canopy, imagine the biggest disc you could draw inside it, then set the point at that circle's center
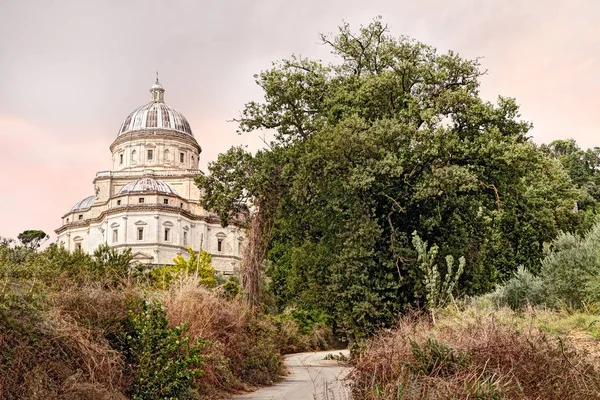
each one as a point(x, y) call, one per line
point(391, 139)
point(32, 239)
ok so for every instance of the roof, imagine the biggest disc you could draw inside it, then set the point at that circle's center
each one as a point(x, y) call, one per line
point(155, 115)
point(147, 185)
point(83, 204)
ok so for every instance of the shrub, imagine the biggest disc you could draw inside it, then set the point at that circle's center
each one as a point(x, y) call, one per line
point(165, 360)
point(231, 289)
point(521, 290)
point(242, 347)
point(569, 265)
point(109, 263)
point(435, 358)
point(301, 330)
point(163, 277)
point(569, 276)
point(438, 289)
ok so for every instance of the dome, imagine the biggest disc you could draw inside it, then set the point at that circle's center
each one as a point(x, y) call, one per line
point(83, 204)
point(147, 185)
point(156, 115)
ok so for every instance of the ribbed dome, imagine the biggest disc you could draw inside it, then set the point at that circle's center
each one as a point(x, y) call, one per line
point(156, 115)
point(83, 204)
point(147, 185)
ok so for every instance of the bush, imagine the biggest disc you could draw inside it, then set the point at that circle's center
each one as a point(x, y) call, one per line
point(437, 289)
point(569, 265)
point(110, 264)
point(231, 289)
point(301, 330)
point(165, 360)
point(46, 354)
point(569, 276)
point(435, 358)
point(163, 277)
point(521, 290)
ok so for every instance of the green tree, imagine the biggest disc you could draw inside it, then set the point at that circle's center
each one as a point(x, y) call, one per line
point(32, 239)
point(391, 139)
point(583, 166)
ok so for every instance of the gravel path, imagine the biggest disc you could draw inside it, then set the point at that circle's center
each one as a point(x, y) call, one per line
point(311, 377)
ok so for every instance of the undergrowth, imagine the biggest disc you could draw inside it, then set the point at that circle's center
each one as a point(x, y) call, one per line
point(74, 326)
point(473, 353)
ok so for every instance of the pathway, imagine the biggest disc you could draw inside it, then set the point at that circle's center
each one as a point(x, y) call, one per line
point(311, 377)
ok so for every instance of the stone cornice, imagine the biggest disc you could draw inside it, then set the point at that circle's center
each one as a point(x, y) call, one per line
point(211, 219)
point(153, 134)
point(130, 194)
point(141, 243)
point(147, 173)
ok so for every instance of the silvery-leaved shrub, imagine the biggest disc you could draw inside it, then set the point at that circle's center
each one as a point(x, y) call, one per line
point(570, 266)
point(523, 289)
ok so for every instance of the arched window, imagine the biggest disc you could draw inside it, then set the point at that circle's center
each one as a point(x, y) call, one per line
point(134, 157)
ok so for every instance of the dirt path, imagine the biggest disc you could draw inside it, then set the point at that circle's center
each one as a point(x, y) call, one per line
point(311, 377)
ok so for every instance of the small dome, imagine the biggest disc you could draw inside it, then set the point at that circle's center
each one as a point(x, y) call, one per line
point(83, 204)
point(156, 115)
point(147, 185)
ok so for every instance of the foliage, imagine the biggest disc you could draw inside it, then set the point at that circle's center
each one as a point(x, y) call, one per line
point(45, 353)
point(434, 357)
point(166, 360)
point(583, 168)
point(61, 333)
point(163, 277)
point(242, 346)
point(110, 263)
point(438, 292)
point(569, 276)
point(231, 288)
point(522, 290)
point(390, 139)
point(32, 239)
point(570, 266)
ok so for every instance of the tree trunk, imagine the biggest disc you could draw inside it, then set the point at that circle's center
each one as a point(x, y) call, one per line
point(259, 236)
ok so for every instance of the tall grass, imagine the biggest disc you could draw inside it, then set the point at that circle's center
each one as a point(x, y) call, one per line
point(48, 354)
point(472, 355)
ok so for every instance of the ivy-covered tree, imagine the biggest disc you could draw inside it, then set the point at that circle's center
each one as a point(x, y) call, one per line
point(390, 140)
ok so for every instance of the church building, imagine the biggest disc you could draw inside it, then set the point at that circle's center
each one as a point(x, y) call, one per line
point(148, 200)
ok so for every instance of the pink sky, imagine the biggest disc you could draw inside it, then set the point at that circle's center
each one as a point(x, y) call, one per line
point(71, 71)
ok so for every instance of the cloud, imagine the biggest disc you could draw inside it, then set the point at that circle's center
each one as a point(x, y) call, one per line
point(71, 71)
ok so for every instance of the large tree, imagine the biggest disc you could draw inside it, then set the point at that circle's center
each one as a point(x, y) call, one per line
point(391, 139)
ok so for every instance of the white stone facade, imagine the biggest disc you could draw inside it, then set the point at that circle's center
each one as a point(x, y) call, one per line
point(148, 201)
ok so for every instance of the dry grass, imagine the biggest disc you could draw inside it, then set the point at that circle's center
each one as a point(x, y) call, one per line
point(242, 346)
point(67, 345)
point(54, 357)
point(101, 309)
point(471, 354)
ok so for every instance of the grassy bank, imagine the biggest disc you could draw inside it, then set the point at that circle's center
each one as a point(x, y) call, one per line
point(79, 327)
point(483, 353)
